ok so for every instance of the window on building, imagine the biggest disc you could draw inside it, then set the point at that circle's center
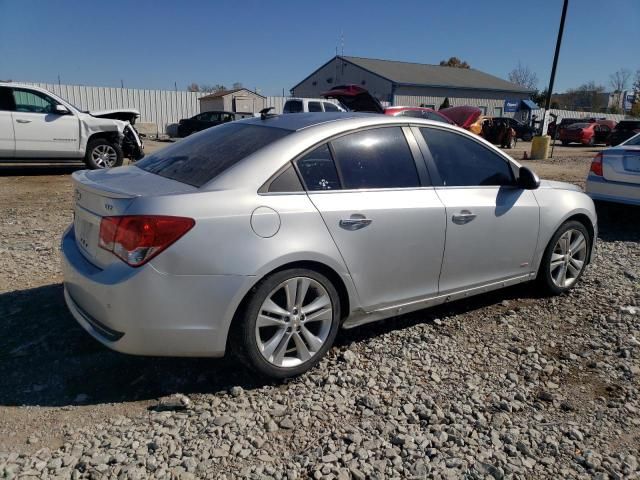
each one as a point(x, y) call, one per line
point(462, 161)
point(376, 158)
point(497, 111)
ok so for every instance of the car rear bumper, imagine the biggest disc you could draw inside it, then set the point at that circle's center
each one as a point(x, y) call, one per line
point(142, 311)
point(618, 192)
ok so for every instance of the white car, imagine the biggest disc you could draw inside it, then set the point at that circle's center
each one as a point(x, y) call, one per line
point(305, 105)
point(38, 126)
point(615, 174)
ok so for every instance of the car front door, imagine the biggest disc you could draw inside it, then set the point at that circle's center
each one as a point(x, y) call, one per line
point(41, 132)
point(384, 216)
point(492, 224)
point(7, 139)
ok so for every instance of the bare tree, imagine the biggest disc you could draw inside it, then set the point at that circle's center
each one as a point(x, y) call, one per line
point(454, 62)
point(237, 85)
point(588, 96)
point(619, 80)
point(204, 87)
point(193, 87)
point(524, 76)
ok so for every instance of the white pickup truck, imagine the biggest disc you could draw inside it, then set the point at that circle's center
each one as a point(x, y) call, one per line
point(37, 126)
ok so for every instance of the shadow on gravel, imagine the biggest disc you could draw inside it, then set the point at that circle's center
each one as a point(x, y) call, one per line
point(37, 170)
point(618, 222)
point(47, 359)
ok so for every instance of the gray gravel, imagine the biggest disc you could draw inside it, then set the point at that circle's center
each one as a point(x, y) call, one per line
point(506, 385)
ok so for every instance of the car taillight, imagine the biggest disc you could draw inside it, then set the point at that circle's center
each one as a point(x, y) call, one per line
point(596, 165)
point(136, 239)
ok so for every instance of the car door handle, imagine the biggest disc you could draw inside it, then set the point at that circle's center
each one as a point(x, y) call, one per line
point(20, 120)
point(465, 216)
point(355, 222)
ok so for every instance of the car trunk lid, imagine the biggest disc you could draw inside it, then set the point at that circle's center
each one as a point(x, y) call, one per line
point(102, 193)
point(621, 165)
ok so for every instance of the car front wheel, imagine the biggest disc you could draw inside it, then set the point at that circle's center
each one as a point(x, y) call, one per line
point(289, 323)
point(565, 258)
point(101, 153)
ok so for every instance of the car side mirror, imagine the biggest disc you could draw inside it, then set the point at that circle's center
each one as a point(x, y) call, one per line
point(527, 179)
point(61, 110)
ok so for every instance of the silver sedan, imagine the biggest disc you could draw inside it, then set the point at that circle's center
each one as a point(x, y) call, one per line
point(265, 236)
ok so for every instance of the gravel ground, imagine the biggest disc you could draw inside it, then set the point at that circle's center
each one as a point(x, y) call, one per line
point(504, 385)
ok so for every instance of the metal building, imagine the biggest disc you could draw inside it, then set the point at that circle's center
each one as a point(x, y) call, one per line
point(238, 100)
point(414, 84)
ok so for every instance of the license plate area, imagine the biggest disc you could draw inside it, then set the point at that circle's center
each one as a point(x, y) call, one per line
point(87, 228)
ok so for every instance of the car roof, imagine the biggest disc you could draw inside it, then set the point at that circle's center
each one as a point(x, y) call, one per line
point(299, 121)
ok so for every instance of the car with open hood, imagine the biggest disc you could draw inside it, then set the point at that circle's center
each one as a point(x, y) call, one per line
point(38, 126)
point(358, 99)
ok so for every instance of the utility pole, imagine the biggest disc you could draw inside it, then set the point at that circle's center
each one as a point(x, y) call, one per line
point(547, 102)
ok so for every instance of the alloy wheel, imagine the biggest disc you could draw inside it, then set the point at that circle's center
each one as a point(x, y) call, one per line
point(568, 258)
point(104, 156)
point(294, 322)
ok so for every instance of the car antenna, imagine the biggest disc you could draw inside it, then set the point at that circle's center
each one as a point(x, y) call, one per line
point(264, 113)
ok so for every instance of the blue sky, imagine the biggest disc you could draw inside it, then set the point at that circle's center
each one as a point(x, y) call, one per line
point(273, 45)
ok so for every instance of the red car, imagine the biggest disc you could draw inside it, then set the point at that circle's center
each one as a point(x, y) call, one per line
point(587, 133)
point(358, 99)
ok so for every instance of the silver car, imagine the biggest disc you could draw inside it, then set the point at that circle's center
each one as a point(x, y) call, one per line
point(615, 173)
point(265, 236)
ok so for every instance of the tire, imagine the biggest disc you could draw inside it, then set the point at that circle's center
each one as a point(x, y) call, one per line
point(564, 143)
point(551, 278)
point(102, 153)
point(263, 348)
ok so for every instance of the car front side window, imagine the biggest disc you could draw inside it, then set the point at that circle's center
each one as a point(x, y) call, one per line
point(30, 101)
point(461, 161)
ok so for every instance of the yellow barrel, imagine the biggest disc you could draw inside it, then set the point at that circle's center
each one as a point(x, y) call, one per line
point(540, 147)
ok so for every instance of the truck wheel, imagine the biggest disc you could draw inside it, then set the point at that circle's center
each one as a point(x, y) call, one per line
point(102, 153)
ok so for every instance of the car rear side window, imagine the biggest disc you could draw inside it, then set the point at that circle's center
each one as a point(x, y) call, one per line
point(200, 158)
point(318, 170)
point(375, 158)
point(462, 161)
point(6, 99)
point(292, 106)
point(286, 181)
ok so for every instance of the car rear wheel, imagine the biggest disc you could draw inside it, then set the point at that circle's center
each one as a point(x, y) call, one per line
point(289, 323)
point(101, 153)
point(565, 258)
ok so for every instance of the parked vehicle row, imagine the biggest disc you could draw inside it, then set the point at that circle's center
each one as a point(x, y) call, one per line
point(38, 126)
point(587, 133)
point(265, 236)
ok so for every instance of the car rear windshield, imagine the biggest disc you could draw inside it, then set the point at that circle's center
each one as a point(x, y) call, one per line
point(200, 158)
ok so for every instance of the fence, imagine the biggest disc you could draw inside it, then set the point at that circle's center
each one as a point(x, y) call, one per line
point(571, 114)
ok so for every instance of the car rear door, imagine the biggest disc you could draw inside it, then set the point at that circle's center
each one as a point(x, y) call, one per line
point(384, 216)
point(40, 132)
point(7, 138)
point(492, 225)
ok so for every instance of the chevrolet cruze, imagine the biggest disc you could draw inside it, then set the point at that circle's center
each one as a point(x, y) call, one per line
point(264, 237)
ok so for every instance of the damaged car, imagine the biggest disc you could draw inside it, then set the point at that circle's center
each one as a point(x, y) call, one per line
point(37, 126)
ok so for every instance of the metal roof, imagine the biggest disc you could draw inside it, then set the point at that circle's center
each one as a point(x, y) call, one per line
point(424, 75)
